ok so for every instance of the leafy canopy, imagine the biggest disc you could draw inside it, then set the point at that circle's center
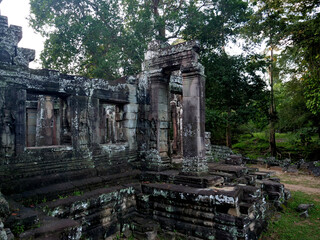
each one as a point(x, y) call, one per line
point(102, 38)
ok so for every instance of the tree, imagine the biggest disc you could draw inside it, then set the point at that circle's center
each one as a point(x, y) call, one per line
point(291, 104)
point(99, 38)
point(215, 23)
point(267, 24)
point(233, 92)
point(300, 41)
point(303, 36)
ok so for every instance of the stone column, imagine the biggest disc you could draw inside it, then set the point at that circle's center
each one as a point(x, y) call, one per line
point(194, 152)
point(130, 115)
point(159, 117)
point(20, 121)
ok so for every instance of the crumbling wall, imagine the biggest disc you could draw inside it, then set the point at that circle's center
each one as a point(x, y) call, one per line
point(59, 131)
point(220, 152)
point(53, 123)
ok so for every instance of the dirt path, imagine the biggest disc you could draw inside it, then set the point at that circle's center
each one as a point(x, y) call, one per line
point(296, 181)
point(301, 188)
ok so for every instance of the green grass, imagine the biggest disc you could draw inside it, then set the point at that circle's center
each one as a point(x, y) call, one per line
point(289, 226)
point(289, 145)
point(253, 146)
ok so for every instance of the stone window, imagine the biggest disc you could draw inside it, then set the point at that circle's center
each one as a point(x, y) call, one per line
point(47, 120)
point(111, 123)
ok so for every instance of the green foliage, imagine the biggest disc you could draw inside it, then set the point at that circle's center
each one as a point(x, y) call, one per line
point(18, 229)
point(77, 193)
point(289, 226)
point(233, 92)
point(62, 197)
point(290, 145)
point(215, 22)
point(291, 27)
point(252, 145)
point(292, 111)
point(312, 93)
point(102, 38)
point(303, 33)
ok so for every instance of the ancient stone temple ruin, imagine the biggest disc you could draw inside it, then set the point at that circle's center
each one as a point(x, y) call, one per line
point(96, 159)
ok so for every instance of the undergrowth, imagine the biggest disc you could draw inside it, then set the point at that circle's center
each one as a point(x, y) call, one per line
point(289, 226)
point(289, 145)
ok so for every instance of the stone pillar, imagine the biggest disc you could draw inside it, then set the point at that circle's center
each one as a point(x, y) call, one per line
point(130, 115)
point(79, 122)
point(20, 121)
point(159, 117)
point(194, 152)
point(130, 124)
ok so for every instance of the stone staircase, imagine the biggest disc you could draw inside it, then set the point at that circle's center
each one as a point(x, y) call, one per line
point(232, 206)
point(229, 203)
point(224, 213)
point(97, 205)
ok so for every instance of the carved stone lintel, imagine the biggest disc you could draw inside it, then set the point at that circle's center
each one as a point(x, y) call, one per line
point(193, 68)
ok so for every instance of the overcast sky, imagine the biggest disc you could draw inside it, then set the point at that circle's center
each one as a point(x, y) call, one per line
point(17, 12)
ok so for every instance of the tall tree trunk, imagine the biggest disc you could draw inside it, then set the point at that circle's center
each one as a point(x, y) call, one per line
point(228, 131)
point(272, 133)
point(161, 28)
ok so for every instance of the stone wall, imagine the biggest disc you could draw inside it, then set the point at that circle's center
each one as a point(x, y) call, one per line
point(72, 140)
point(220, 152)
point(53, 123)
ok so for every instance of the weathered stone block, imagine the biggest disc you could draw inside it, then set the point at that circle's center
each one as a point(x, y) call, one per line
point(131, 108)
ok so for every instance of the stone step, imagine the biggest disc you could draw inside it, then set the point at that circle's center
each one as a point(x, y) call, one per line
point(28, 170)
point(252, 169)
point(164, 176)
point(238, 171)
point(247, 208)
point(263, 175)
point(42, 181)
point(226, 196)
point(228, 177)
point(234, 160)
point(53, 228)
point(144, 227)
point(98, 211)
point(183, 212)
point(35, 225)
point(250, 193)
point(21, 216)
point(69, 206)
point(192, 231)
point(173, 176)
point(272, 186)
point(199, 182)
point(55, 191)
